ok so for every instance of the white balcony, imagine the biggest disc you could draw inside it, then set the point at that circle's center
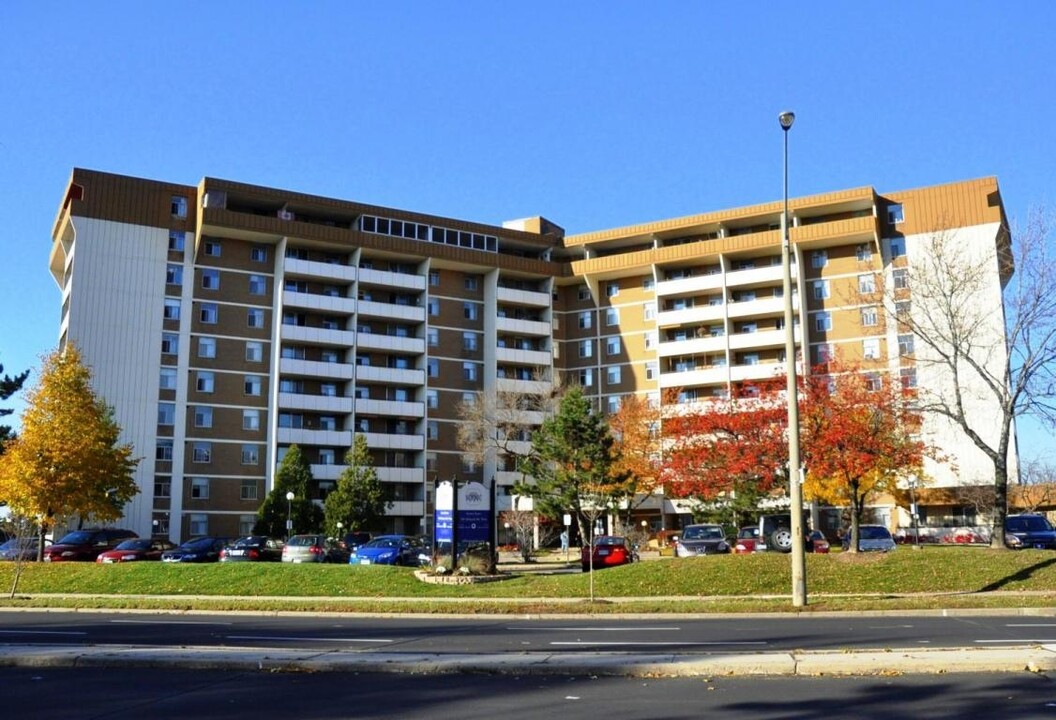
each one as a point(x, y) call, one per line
point(508, 477)
point(315, 369)
point(392, 343)
point(768, 275)
point(315, 403)
point(692, 346)
point(765, 306)
point(391, 311)
point(395, 408)
point(767, 338)
point(389, 376)
point(691, 316)
point(400, 475)
point(415, 508)
point(522, 327)
point(526, 387)
point(535, 358)
point(318, 270)
point(402, 281)
point(325, 438)
point(690, 285)
point(389, 441)
point(523, 297)
point(327, 472)
point(318, 303)
point(317, 336)
point(690, 378)
point(759, 371)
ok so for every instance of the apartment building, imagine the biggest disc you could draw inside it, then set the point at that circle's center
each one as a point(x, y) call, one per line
point(226, 322)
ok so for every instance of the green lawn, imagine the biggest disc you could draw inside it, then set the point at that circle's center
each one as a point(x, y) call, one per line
point(972, 572)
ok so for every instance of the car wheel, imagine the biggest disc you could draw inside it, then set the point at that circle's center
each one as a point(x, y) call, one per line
point(781, 540)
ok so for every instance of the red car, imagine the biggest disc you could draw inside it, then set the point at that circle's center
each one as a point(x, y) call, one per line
point(609, 551)
point(748, 541)
point(85, 545)
point(135, 549)
point(816, 542)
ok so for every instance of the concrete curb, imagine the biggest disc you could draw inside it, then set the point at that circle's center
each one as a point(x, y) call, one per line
point(857, 663)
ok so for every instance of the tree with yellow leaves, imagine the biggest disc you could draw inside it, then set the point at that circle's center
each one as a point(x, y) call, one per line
point(68, 460)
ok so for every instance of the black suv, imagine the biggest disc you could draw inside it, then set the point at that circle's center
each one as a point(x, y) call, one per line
point(1029, 531)
point(86, 545)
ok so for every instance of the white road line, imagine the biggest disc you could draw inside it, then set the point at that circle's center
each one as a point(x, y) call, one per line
point(305, 637)
point(42, 632)
point(656, 644)
point(1016, 641)
point(888, 627)
point(596, 629)
point(167, 622)
point(1030, 625)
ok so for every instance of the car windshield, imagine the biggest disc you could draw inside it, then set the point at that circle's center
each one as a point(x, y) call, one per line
point(872, 532)
point(1035, 523)
point(78, 537)
point(304, 540)
point(383, 542)
point(702, 532)
point(248, 542)
point(199, 544)
point(134, 545)
point(608, 540)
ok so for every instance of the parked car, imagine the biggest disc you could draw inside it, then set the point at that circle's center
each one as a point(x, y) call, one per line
point(253, 548)
point(702, 540)
point(609, 551)
point(390, 550)
point(872, 538)
point(199, 550)
point(817, 542)
point(354, 540)
point(21, 549)
point(313, 549)
point(748, 541)
point(1029, 531)
point(85, 545)
point(134, 550)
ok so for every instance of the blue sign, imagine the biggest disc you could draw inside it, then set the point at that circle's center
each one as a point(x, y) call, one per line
point(473, 526)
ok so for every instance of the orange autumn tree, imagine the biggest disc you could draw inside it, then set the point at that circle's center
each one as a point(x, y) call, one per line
point(859, 437)
point(734, 447)
point(636, 429)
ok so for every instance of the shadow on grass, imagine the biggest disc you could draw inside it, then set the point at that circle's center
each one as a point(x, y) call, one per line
point(1021, 576)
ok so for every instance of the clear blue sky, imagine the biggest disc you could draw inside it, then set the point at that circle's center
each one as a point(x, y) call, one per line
point(594, 114)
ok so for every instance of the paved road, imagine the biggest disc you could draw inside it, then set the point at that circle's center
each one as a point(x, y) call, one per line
point(133, 694)
point(506, 634)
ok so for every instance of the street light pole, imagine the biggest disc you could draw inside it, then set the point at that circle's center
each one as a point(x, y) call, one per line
point(795, 491)
point(289, 514)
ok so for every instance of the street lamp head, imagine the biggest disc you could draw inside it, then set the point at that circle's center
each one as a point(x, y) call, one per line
point(290, 495)
point(786, 119)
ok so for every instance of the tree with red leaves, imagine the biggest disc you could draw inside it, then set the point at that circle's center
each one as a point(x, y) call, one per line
point(859, 437)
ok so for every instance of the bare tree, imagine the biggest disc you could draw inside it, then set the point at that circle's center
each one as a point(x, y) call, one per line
point(22, 535)
point(993, 344)
point(1037, 488)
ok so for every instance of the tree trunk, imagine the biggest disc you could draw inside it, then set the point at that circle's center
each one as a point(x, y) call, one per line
point(856, 518)
point(997, 534)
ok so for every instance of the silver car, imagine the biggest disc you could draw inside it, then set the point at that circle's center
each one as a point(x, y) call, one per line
point(875, 538)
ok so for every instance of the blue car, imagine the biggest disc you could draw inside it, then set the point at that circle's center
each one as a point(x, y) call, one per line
point(390, 550)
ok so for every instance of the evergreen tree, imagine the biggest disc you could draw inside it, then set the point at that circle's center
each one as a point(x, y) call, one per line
point(357, 502)
point(8, 387)
point(68, 459)
point(294, 475)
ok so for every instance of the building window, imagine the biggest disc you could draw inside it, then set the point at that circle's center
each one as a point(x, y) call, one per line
point(291, 420)
point(167, 379)
point(823, 322)
point(869, 316)
point(202, 452)
point(895, 214)
point(819, 258)
point(612, 316)
point(430, 462)
point(329, 356)
point(586, 377)
point(905, 344)
point(199, 488)
point(163, 450)
point(432, 430)
point(327, 422)
point(900, 277)
point(204, 381)
point(866, 284)
point(177, 239)
point(258, 253)
point(162, 487)
point(210, 279)
point(612, 375)
point(469, 371)
point(470, 282)
point(469, 341)
point(902, 309)
point(469, 311)
point(612, 289)
point(173, 274)
point(208, 313)
point(250, 454)
point(585, 321)
point(246, 523)
point(583, 293)
point(648, 283)
point(434, 307)
point(863, 252)
point(612, 346)
point(871, 348)
point(203, 416)
point(170, 344)
point(434, 278)
point(432, 399)
point(586, 348)
point(248, 491)
point(172, 309)
point(327, 456)
point(432, 367)
point(251, 420)
point(328, 389)
point(824, 353)
point(651, 371)
point(821, 289)
point(258, 285)
point(898, 247)
point(873, 381)
point(252, 384)
point(212, 248)
point(908, 377)
point(433, 336)
point(199, 524)
point(178, 206)
point(650, 310)
point(166, 414)
point(255, 318)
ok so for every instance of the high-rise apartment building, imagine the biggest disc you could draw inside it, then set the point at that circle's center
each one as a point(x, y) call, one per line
point(226, 322)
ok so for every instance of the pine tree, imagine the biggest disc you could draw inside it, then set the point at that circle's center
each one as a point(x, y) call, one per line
point(358, 501)
point(8, 387)
point(294, 475)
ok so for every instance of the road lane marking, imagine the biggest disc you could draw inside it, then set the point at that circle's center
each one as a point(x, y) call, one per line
point(42, 632)
point(656, 644)
point(1017, 641)
point(1030, 625)
point(595, 629)
point(168, 622)
point(306, 637)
